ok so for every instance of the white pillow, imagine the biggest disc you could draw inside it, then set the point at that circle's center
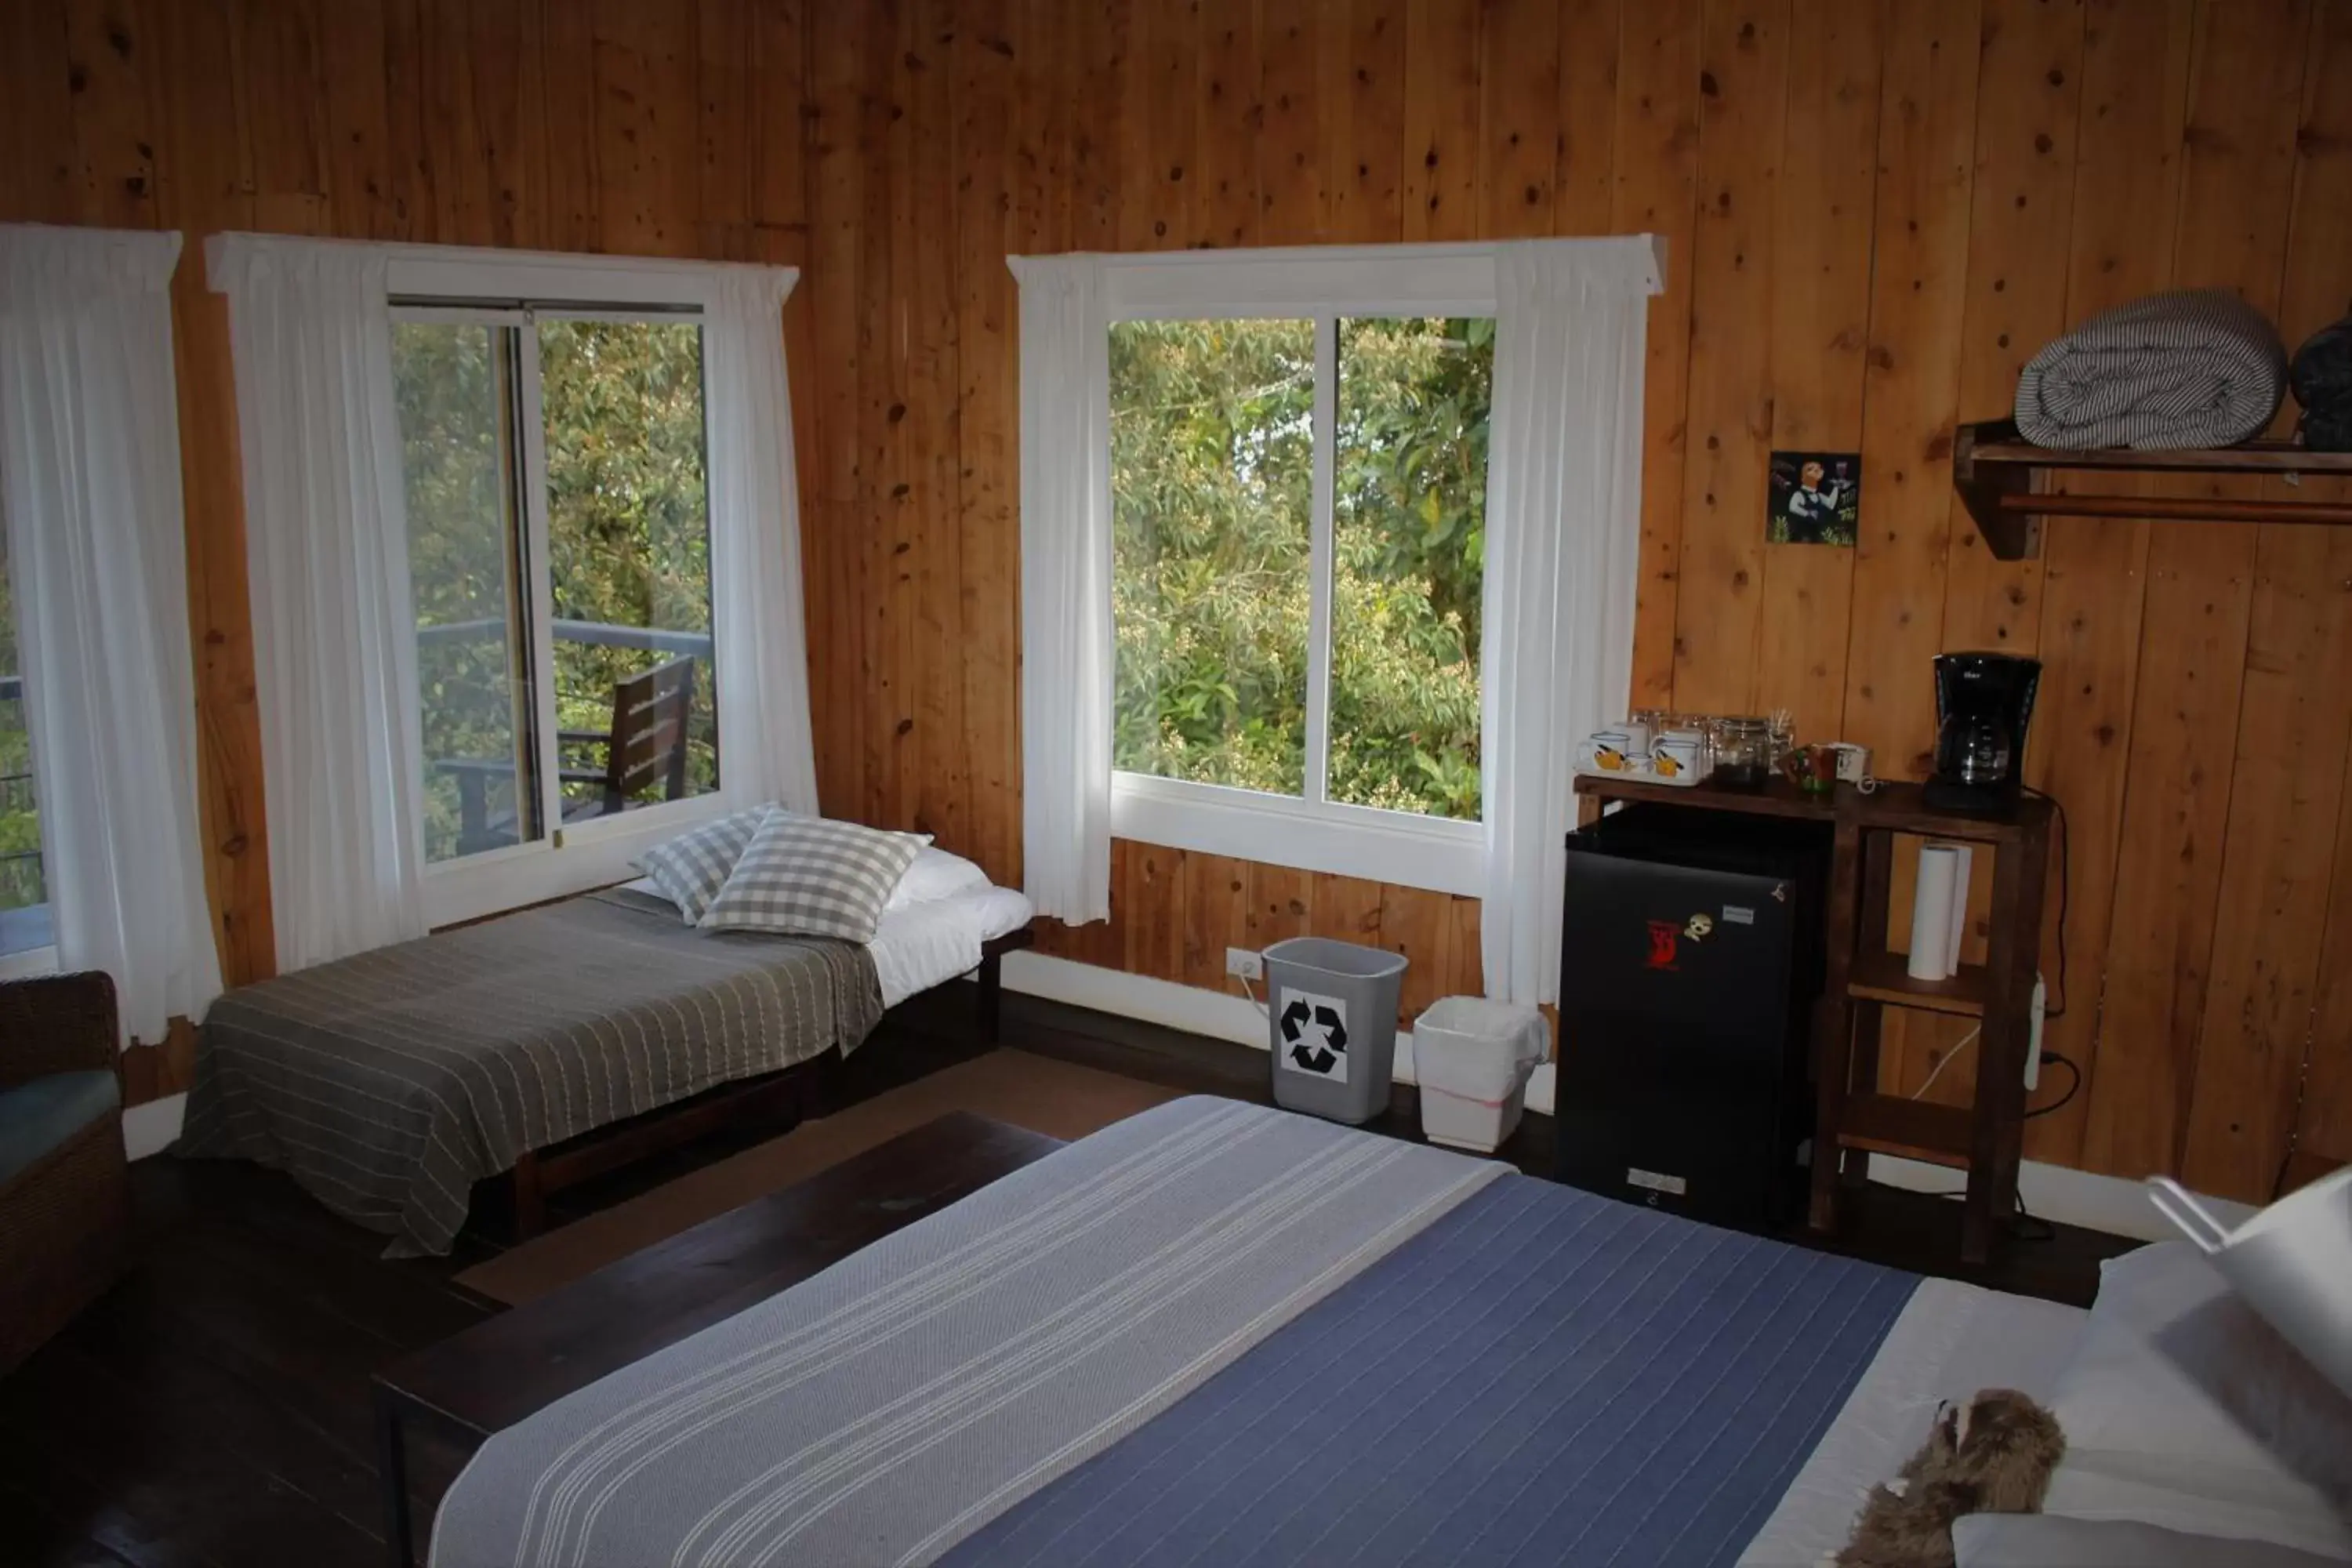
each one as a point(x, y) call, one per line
point(936, 875)
point(2045, 1540)
point(2183, 1408)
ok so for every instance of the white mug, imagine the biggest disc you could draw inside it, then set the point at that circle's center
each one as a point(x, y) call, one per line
point(1853, 762)
point(1679, 757)
point(1615, 750)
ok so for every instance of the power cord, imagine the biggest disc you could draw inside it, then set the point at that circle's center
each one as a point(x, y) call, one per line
point(2073, 1084)
point(1965, 1041)
point(1252, 995)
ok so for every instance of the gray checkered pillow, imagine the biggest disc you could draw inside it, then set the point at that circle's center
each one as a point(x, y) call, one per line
point(691, 868)
point(805, 876)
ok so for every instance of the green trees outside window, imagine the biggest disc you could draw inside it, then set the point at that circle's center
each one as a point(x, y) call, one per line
point(620, 468)
point(1213, 454)
point(22, 885)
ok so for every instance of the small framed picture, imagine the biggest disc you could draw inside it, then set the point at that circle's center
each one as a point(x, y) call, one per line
point(1815, 498)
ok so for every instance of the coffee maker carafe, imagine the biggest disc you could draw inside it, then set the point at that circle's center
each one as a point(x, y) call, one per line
point(1983, 701)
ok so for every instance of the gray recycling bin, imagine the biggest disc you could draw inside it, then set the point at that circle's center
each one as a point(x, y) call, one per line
point(1331, 1010)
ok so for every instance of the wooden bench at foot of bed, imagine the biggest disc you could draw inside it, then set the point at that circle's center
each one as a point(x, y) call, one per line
point(793, 1093)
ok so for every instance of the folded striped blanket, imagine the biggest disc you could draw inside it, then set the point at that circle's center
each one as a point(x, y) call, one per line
point(2193, 369)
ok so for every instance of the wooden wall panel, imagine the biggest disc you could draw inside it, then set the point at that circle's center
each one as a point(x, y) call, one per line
point(2320, 246)
point(1743, 98)
point(1442, 93)
point(2130, 128)
point(1875, 210)
point(1295, 206)
point(1817, 322)
point(1367, 157)
point(2294, 726)
point(2246, 76)
point(1519, 135)
point(1225, 123)
point(1654, 148)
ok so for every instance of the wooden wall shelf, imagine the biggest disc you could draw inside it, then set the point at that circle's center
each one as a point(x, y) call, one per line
point(2002, 480)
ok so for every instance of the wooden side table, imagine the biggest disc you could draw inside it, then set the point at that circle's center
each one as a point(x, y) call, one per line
point(1853, 1120)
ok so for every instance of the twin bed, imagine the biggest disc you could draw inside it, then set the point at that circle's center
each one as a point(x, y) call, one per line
point(388, 1083)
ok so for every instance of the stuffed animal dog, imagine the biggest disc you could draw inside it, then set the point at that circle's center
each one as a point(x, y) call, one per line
point(1992, 1455)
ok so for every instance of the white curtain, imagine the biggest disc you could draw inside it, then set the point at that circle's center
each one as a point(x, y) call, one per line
point(327, 550)
point(1065, 632)
point(1563, 544)
point(755, 546)
point(89, 489)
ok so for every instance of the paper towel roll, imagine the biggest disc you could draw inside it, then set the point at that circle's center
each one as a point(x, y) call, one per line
point(1931, 913)
point(1963, 857)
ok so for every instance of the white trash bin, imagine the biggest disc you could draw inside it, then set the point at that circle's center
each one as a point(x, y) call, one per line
point(1472, 1059)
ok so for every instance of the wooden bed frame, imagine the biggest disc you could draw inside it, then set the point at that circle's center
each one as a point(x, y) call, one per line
point(794, 1091)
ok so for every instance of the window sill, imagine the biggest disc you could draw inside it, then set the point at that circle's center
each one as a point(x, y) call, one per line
point(1395, 846)
point(28, 964)
point(595, 853)
point(29, 943)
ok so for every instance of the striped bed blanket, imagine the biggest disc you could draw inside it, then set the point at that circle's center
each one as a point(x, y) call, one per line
point(2198, 368)
point(1215, 1333)
point(388, 1083)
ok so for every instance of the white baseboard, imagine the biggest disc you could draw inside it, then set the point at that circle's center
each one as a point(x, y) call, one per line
point(1220, 1015)
point(2058, 1193)
point(2061, 1193)
point(150, 1129)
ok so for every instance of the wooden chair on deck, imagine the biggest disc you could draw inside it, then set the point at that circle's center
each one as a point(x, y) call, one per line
point(645, 746)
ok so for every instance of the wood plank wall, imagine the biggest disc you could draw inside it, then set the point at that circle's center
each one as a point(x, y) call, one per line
point(1877, 210)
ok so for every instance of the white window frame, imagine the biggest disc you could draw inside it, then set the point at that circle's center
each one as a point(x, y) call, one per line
point(1307, 832)
point(436, 282)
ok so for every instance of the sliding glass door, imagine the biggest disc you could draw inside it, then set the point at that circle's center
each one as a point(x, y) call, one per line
point(554, 463)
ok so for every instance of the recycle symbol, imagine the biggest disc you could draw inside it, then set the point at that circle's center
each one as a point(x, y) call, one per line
point(1313, 1058)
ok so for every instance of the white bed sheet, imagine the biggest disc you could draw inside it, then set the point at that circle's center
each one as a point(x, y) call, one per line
point(919, 946)
point(1951, 1341)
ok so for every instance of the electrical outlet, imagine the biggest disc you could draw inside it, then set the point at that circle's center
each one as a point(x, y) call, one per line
point(1246, 963)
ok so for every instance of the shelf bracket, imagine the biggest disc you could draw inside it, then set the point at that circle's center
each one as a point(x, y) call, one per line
point(2011, 535)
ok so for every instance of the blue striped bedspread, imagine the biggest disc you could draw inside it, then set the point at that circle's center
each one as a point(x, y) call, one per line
point(1541, 1376)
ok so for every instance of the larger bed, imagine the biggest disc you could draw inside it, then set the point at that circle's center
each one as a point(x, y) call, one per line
point(387, 1084)
point(1217, 1333)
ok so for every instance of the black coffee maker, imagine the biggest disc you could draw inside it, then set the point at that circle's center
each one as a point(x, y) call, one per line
point(1983, 701)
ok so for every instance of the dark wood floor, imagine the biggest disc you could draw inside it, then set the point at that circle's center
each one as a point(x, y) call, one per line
point(214, 1408)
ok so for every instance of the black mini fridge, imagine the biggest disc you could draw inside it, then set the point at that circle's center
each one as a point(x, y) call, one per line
point(1690, 960)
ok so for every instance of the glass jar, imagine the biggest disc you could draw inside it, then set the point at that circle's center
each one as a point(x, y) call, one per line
point(1743, 752)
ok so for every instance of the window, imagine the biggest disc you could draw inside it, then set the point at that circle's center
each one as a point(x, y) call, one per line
point(553, 458)
point(1298, 518)
point(24, 890)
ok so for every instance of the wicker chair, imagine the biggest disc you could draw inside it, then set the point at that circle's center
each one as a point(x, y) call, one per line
point(65, 1195)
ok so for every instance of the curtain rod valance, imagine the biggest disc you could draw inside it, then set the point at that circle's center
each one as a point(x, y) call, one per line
point(1349, 279)
point(467, 270)
point(93, 263)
